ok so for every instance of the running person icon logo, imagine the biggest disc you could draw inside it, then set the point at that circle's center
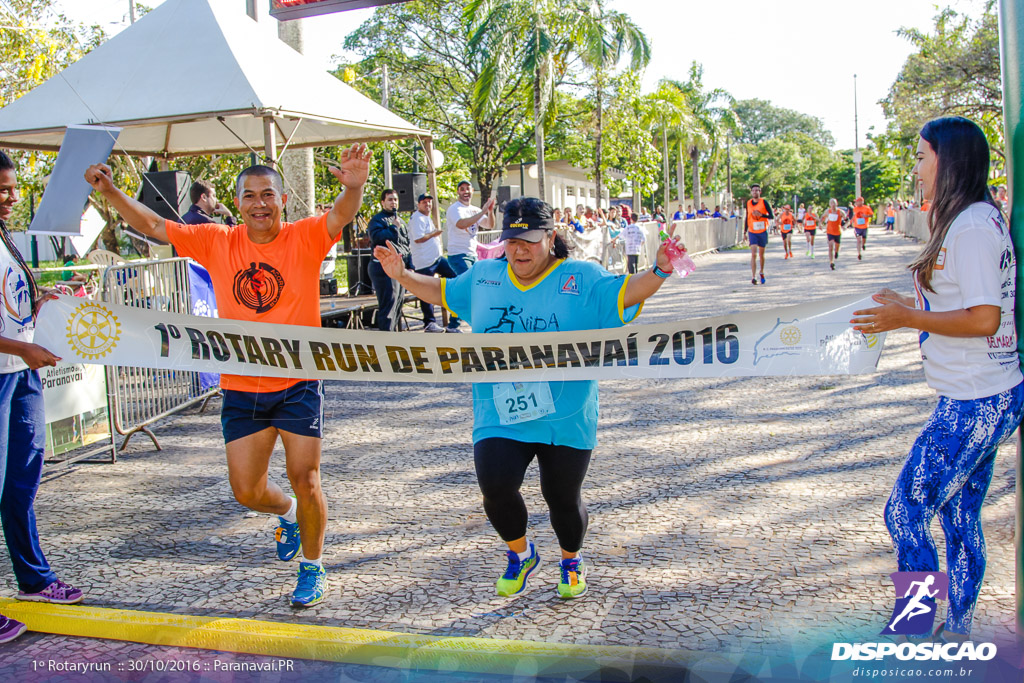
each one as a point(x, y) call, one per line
point(258, 287)
point(504, 320)
point(916, 596)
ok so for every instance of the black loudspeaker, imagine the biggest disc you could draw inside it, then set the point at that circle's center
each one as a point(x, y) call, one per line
point(505, 194)
point(409, 186)
point(167, 193)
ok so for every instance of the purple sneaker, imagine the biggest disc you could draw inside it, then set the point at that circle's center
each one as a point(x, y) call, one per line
point(10, 629)
point(58, 593)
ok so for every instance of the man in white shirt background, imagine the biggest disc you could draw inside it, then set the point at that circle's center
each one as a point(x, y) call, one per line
point(425, 244)
point(463, 220)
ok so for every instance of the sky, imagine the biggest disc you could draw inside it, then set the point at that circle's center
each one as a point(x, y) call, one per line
point(798, 54)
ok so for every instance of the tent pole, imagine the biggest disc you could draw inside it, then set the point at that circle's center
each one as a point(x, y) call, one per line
point(428, 152)
point(270, 141)
point(1011, 29)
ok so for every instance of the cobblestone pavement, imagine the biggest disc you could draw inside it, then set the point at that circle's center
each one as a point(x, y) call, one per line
point(726, 514)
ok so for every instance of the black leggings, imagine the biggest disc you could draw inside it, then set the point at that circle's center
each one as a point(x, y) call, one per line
point(500, 467)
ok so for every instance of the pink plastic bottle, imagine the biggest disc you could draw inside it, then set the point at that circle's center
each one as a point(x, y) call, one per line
point(682, 264)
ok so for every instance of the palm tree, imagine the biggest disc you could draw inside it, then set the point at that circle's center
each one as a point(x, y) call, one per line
point(670, 115)
point(713, 117)
point(497, 25)
point(602, 38)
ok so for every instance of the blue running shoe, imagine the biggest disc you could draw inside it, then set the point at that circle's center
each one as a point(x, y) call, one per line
point(311, 586)
point(287, 536)
point(518, 571)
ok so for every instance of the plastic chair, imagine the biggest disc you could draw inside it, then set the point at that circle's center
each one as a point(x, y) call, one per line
point(102, 257)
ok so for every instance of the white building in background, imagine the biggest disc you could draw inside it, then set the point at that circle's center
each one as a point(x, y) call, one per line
point(567, 185)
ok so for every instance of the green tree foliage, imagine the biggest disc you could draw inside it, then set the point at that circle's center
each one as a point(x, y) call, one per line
point(499, 28)
point(425, 44)
point(603, 39)
point(760, 120)
point(786, 165)
point(712, 120)
point(670, 121)
point(36, 43)
point(628, 140)
point(954, 71)
point(880, 179)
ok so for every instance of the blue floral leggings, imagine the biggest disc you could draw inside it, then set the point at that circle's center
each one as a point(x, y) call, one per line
point(948, 472)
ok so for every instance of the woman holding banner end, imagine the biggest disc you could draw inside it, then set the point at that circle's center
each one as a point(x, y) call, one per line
point(556, 421)
point(964, 283)
point(22, 422)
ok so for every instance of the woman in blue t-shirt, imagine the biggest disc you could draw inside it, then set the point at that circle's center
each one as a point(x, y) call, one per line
point(535, 288)
point(964, 281)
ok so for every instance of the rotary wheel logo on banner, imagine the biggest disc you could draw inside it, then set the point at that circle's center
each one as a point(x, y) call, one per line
point(93, 331)
point(790, 336)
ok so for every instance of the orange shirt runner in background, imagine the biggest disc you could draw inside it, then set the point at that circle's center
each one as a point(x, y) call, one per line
point(759, 224)
point(786, 222)
point(810, 221)
point(833, 222)
point(276, 282)
point(862, 217)
point(890, 212)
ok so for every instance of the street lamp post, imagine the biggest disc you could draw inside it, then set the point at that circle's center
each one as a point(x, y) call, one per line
point(856, 142)
point(384, 103)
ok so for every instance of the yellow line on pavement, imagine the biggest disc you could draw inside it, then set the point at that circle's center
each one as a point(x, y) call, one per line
point(360, 646)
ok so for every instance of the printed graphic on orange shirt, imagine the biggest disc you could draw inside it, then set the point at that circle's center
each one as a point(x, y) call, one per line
point(258, 287)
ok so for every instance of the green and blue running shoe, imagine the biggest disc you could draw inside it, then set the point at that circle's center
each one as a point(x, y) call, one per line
point(514, 579)
point(311, 586)
point(287, 536)
point(573, 583)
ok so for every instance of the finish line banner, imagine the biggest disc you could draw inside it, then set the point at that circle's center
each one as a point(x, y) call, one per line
point(808, 339)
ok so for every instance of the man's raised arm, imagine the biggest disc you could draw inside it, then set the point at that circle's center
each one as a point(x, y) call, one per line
point(134, 212)
point(354, 170)
point(485, 216)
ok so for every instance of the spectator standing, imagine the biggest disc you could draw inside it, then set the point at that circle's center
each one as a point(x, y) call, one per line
point(205, 205)
point(463, 220)
point(385, 226)
point(23, 422)
point(426, 252)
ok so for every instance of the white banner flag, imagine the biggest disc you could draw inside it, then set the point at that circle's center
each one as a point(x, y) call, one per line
point(810, 339)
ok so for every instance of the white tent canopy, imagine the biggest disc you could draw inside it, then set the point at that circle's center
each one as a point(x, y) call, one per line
point(200, 77)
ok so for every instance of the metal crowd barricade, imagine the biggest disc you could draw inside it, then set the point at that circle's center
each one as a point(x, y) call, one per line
point(138, 397)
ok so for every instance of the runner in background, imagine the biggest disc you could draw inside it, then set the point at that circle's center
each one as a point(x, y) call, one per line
point(756, 222)
point(786, 222)
point(861, 216)
point(833, 218)
point(964, 281)
point(890, 217)
point(810, 224)
point(552, 422)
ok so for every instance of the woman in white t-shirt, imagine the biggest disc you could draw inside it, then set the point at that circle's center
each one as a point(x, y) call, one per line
point(965, 283)
point(22, 420)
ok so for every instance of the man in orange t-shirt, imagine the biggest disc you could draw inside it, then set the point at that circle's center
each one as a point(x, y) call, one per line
point(756, 224)
point(268, 271)
point(861, 218)
point(786, 223)
point(890, 217)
